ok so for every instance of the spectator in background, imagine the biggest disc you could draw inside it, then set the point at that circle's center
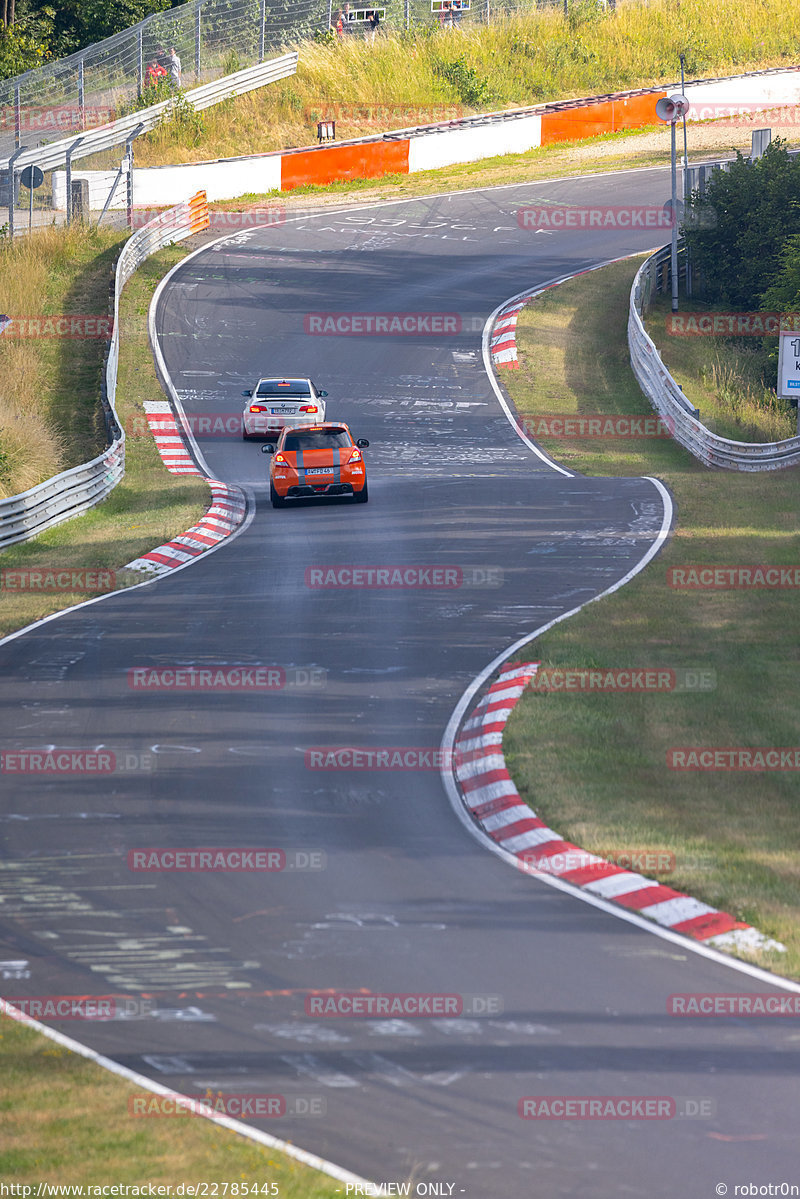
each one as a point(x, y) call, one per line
point(347, 19)
point(373, 21)
point(155, 73)
point(174, 68)
point(446, 14)
point(456, 18)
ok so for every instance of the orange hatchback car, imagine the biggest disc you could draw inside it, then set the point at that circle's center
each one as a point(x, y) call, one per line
point(317, 460)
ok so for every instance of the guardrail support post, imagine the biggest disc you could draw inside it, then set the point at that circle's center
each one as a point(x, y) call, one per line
point(139, 64)
point(70, 152)
point(82, 93)
point(12, 179)
point(262, 37)
point(129, 161)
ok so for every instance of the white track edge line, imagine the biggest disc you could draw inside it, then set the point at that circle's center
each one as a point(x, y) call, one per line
point(157, 1088)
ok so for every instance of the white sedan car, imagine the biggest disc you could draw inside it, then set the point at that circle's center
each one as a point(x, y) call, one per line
point(275, 403)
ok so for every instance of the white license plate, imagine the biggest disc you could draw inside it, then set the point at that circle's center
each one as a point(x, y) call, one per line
point(320, 470)
point(282, 411)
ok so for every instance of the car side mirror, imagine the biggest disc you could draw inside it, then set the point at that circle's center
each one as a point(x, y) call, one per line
point(268, 449)
point(247, 393)
point(362, 443)
point(322, 393)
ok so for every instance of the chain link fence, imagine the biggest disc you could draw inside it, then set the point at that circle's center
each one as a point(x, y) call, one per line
point(211, 38)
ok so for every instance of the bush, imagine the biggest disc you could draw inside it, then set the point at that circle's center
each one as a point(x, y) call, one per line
point(755, 208)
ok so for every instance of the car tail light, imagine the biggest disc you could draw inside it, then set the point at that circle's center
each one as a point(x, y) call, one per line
point(309, 408)
point(257, 408)
point(355, 457)
point(280, 460)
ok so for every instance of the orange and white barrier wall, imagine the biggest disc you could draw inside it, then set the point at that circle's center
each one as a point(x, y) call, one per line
point(427, 149)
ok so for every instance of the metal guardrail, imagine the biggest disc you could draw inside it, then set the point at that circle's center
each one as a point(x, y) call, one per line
point(669, 401)
point(76, 490)
point(105, 137)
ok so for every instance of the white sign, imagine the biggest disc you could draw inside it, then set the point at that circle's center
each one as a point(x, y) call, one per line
point(789, 364)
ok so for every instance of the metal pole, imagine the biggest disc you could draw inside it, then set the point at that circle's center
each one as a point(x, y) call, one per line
point(330, 16)
point(674, 252)
point(685, 144)
point(263, 34)
point(82, 94)
point(140, 64)
point(129, 157)
point(407, 13)
point(70, 152)
point(11, 189)
point(30, 208)
point(197, 41)
point(17, 118)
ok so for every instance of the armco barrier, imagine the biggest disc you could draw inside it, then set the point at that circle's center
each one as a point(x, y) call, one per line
point(669, 401)
point(105, 137)
point(75, 491)
point(427, 147)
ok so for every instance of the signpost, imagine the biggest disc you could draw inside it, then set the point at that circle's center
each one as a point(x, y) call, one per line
point(31, 177)
point(789, 368)
point(670, 109)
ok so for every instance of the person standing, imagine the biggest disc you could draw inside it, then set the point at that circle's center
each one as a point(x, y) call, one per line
point(174, 68)
point(373, 24)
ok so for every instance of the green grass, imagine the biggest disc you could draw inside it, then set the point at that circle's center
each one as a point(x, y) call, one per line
point(413, 78)
point(65, 1120)
point(594, 766)
point(147, 508)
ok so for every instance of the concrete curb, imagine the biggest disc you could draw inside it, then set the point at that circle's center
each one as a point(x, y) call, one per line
point(489, 794)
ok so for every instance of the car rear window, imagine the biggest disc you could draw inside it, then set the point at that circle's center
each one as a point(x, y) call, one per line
point(317, 439)
point(286, 387)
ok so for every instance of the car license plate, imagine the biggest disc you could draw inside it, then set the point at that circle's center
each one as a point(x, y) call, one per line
point(320, 470)
point(282, 411)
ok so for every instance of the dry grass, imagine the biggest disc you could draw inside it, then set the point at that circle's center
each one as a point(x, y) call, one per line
point(723, 379)
point(409, 78)
point(49, 404)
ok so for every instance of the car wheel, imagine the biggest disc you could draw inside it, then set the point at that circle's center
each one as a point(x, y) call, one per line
point(361, 496)
point(277, 500)
point(245, 435)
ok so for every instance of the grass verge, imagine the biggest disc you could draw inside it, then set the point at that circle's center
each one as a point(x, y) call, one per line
point(50, 418)
point(147, 508)
point(723, 378)
point(66, 1120)
point(594, 765)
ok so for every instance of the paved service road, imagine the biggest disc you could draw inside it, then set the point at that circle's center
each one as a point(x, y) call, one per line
point(407, 902)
